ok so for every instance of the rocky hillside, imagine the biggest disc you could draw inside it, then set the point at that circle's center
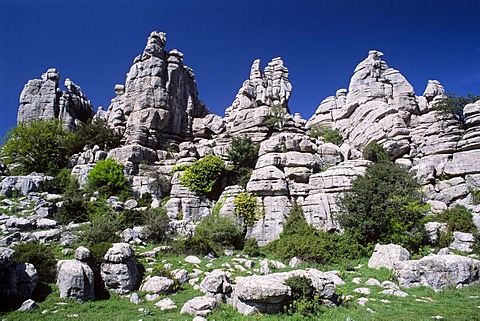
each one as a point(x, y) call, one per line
point(163, 123)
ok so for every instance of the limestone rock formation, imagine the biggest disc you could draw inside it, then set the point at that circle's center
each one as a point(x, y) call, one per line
point(159, 101)
point(387, 255)
point(119, 272)
point(251, 107)
point(43, 99)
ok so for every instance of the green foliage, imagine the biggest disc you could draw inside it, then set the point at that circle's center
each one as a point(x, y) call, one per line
point(243, 176)
point(220, 232)
point(304, 301)
point(385, 205)
point(246, 208)
point(329, 135)
point(251, 248)
point(301, 286)
point(108, 178)
point(276, 119)
point(156, 225)
point(202, 175)
point(41, 256)
point(475, 195)
point(309, 244)
point(103, 227)
point(453, 105)
point(243, 152)
point(375, 152)
point(458, 219)
point(37, 146)
point(95, 133)
point(74, 209)
point(193, 245)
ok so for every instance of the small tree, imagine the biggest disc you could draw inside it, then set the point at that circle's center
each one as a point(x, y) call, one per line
point(108, 179)
point(453, 105)
point(95, 133)
point(329, 135)
point(276, 118)
point(243, 152)
point(385, 205)
point(37, 146)
point(375, 152)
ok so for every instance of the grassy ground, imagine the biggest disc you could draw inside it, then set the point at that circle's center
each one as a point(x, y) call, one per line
point(421, 304)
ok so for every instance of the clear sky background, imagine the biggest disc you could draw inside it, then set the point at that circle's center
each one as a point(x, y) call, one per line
point(94, 42)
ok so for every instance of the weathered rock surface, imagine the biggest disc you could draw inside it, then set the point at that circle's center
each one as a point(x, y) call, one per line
point(75, 280)
point(24, 184)
point(43, 99)
point(157, 284)
point(387, 255)
point(119, 272)
point(199, 306)
point(159, 101)
point(438, 271)
point(17, 280)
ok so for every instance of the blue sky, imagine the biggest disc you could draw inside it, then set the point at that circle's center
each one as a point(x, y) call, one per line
point(94, 43)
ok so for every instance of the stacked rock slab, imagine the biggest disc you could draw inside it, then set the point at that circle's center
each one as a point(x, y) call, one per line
point(159, 101)
point(43, 99)
point(251, 107)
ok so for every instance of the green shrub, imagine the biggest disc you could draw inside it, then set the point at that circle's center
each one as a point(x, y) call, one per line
point(37, 146)
point(458, 219)
point(375, 152)
point(453, 105)
point(276, 119)
point(202, 176)
point(192, 245)
point(94, 133)
point(108, 179)
point(74, 209)
point(41, 256)
point(220, 232)
point(385, 205)
point(243, 152)
point(304, 301)
point(309, 244)
point(246, 208)
point(301, 286)
point(103, 227)
point(251, 248)
point(156, 225)
point(243, 176)
point(329, 135)
point(475, 195)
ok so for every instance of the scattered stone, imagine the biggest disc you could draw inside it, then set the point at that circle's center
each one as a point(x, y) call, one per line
point(373, 282)
point(389, 285)
point(463, 242)
point(362, 301)
point(158, 284)
point(365, 291)
point(357, 280)
point(135, 298)
point(28, 305)
point(387, 255)
point(192, 259)
point(295, 262)
point(119, 272)
point(166, 304)
point(152, 297)
point(199, 306)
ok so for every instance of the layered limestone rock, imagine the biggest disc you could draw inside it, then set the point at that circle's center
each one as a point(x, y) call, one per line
point(159, 101)
point(252, 105)
point(43, 99)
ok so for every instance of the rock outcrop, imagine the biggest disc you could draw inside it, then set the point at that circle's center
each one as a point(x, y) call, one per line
point(119, 272)
point(43, 99)
point(159, 101)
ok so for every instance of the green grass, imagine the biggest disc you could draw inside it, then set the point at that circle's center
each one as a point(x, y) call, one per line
point(451, 304)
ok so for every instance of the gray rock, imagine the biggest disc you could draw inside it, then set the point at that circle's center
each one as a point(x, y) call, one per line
point(192, 259)
point(181, 275)
point(199, 306)
point(75, 280)
point(216, 282)
point(6, 257)
point(28, 305)
point(463, 242)
point(166, 304)
point(83, 254)
point(18, 280)
point(119, 272)
point(157, 284)
point(295, 262)
point(135, 298)
point(387, 255)
point(438, 271)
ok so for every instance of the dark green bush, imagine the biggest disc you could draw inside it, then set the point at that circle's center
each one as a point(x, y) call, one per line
point(251, 248)
point(458, 219)
point(108, 179)
point(453, 105)
point(41, 256)
point(75, 209)
point(203, 175)
point(301, 286)
point(329, 135)
point(243, 152)
point(95, 133)
point(192, 245)
point(304, 301)
point(375, 152)
point(243, 176)
point(309, 244)
point(37, 146)
point(156, 225)
point(385, 205)
point(276, 119)
point(220, 232)
point(103, 227)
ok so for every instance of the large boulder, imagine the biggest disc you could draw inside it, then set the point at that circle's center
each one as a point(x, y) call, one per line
point(438, 271)
point(387, 255)
point(158, 284)
point(75, 280)
point(199, 306)
point(120, 272)
point(24, 184)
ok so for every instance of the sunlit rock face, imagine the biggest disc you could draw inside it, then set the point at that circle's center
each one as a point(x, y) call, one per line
point(159, 100)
